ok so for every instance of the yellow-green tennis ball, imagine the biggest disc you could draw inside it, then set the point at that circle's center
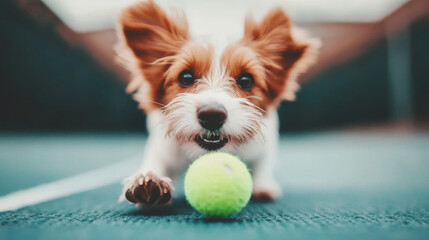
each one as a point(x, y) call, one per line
point(218, 185)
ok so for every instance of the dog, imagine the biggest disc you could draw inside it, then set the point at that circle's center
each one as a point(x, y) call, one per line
point(201, 97)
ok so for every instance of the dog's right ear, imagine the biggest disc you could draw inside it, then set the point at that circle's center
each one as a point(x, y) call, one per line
point(285, 51)
point(152, 35)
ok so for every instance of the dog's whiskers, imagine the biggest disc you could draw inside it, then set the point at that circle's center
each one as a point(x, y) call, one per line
point(155, 102)
point(249, 104)
point(254, 97)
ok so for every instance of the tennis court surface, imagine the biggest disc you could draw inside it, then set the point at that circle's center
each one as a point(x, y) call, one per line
point(336, 186)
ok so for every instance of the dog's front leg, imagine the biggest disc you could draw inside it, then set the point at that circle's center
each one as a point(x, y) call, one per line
point(153, 185)
point(265, 187)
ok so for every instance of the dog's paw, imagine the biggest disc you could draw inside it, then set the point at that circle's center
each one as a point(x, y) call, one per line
point(149, 190)
point(266, 190)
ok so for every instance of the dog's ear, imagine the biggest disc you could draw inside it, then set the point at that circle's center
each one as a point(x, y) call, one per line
point(153, 37)
point(284, 53)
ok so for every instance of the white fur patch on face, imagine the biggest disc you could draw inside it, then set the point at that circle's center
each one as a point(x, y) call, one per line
point(243, 122)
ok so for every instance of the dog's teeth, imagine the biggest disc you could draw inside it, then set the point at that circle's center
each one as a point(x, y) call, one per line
point(217, 133)
point(210, 141)
point(211, 136)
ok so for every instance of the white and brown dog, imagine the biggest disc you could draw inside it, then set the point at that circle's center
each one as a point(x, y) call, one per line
point(201, 97)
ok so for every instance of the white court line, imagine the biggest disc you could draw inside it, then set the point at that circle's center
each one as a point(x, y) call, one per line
point(68, 186)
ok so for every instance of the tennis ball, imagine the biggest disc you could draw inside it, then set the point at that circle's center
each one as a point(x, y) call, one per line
point(218, 185)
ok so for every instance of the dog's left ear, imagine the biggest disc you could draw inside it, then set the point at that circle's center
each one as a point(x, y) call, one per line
point(149, 39)
point(285, 53)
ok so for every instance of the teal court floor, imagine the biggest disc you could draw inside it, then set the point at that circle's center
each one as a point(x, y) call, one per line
point(343, 185)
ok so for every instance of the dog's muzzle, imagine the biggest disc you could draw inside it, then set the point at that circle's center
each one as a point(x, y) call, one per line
point(211, 117)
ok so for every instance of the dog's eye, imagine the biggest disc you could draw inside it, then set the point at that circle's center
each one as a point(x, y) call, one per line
point(246, 81)
point(186, 78)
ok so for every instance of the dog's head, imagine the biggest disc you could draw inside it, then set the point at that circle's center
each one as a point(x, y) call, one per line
point(212, 98)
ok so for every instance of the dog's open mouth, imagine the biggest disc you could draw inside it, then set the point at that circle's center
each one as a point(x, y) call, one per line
point(211, 141)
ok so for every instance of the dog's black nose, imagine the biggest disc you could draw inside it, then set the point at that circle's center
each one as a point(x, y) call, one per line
point(211, 116)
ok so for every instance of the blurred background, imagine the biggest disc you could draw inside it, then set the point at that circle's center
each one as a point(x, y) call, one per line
point(57, 68)
point(353, 153)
